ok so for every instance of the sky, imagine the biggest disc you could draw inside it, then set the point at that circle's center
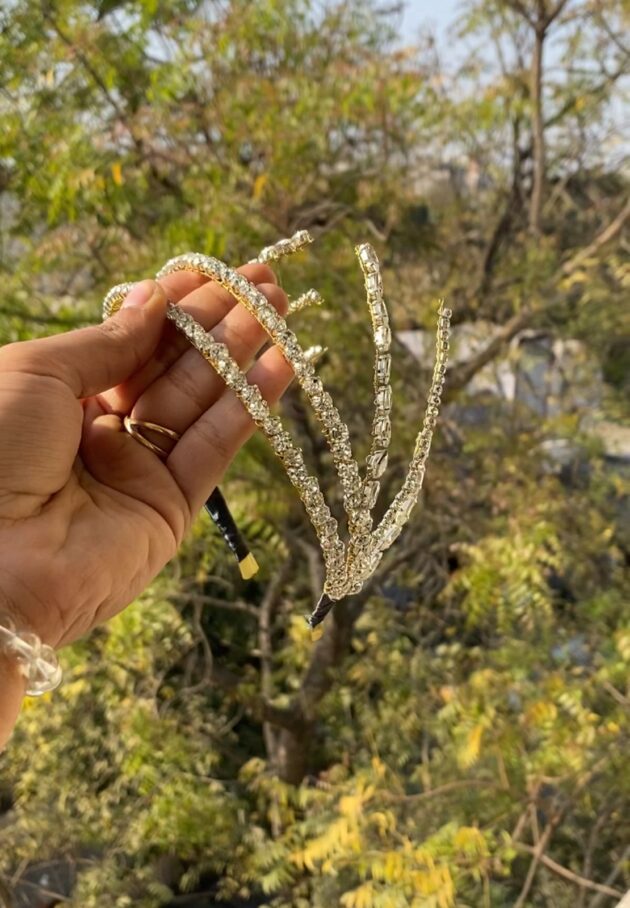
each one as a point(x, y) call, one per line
point(436, 13)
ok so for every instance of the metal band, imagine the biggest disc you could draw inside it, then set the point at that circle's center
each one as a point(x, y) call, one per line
point(135, 428)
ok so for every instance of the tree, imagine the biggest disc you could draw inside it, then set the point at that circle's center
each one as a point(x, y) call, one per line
point(455, 736)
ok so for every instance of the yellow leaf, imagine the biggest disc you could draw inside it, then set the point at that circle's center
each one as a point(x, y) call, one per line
point(350, 805)
point(117, 176)
point(394, 864)
point(379, 767)
point(362, 897)
point(540, 713)
point(469, 839)
point(259, 185)
point(469, 753)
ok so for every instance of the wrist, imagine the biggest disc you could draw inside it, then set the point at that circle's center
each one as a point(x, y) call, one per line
point(21, 605)
point(12, 690)
point(27, 667)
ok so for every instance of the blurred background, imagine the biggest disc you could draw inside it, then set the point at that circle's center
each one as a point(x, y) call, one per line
point(458, 736)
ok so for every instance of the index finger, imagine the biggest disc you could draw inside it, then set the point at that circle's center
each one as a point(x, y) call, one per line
point(207, 301)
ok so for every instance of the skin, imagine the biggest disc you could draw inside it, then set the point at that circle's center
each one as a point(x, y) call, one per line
point(88, 516)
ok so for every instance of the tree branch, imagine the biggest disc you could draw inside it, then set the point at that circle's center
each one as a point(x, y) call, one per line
point(537, 853)
point(69, 322)
point(597, 900)
point(265, 618)
point(456, 785)
point(283, 717)
point(604, 236)
point(567, 874)
point(459, 376)
point(538, 129)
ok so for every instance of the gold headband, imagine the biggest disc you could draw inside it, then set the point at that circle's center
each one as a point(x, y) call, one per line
point(348, 565)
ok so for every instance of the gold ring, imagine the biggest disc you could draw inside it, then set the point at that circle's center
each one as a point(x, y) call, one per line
point(135, 428)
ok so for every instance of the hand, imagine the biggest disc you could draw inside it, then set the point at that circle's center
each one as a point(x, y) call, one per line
point(88, 516)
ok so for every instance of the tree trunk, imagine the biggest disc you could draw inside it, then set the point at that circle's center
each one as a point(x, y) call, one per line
point(538, 131)
point(292, 752)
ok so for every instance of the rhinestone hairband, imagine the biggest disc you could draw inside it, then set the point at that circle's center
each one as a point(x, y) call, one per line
point(347, 564)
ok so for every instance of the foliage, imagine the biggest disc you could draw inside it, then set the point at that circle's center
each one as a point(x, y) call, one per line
point(458, 731)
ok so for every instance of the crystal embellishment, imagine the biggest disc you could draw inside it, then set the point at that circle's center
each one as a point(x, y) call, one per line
point(348, 564)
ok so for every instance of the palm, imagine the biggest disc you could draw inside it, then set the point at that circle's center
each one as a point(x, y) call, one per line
point(100, 534)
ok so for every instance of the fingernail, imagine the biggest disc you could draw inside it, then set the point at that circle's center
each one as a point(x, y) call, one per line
point(140, 294)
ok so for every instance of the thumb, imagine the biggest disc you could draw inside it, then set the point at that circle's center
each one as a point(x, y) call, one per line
point(90, 360)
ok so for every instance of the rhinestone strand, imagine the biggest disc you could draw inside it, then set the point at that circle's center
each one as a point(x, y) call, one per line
point(310, 298)
point(334, 429)
point(400, 509)
point(217, 354)
point(347, 567)
point(307, 485)
point(284, 247)
point(359, 545)
point(376, 462)
point(289, 247)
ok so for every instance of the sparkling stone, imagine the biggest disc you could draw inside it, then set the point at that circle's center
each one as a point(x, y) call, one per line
point(373, 561)
point(310, 384)
point(383, 431)
point(406, 504)
point(416, 473)
point(368, 258)
point(383, 369)
point(371, 490)
point(314, 353)
point(293, 457)
point(384, 398)
point(373, 283)
point(282, 442)
point(284, 336)
point(361, 522)
point(329, 527)
point(293, 348)
point(377, 463)
point(221, 352)
point(258, 408)
point(273, 425)
point(382, 337)
point(389, 536)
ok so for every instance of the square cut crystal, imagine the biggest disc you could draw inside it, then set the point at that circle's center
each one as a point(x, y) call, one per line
point(389, 536)
point(384, 398)
point(368, 258)
point(377, 463)
point(377, 305)
point(382, 337)
point(383, 369)
point(383, 431)
point(370, 492)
